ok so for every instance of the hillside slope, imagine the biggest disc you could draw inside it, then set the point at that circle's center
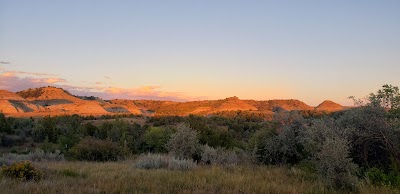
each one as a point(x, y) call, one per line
point(271, 105)
point(204, 107)
point(56, 101)
point(329, 106)
point(59, 101)
point(122, 106)
point(13, 103)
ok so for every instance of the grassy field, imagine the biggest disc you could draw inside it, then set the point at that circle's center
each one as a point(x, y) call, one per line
point(123, 177)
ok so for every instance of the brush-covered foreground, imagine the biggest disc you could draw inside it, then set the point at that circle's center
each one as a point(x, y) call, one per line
point(124, 177)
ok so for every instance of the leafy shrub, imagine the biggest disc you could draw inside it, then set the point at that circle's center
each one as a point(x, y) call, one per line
point(285, 144)
point(371, 136)
point(158, 161)
point(219, 156)
point(36, 156)
point(23, 170)
point(4, 125)
point(156, 139)
point(388, 97)
point(31, 92)
point(329, 152)
point(209, 155)
point(47, 127)
point(376, 137)
point(334, 165)
point(11, 140)
point(91, 149)
point(285, 147)
point(23, 124)
point(184, 142)
point(377, 177)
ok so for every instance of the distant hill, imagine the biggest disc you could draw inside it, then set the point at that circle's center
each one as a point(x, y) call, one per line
point(271, 105)
point(122, 106)
point(205, 107)
point(329, 106)
point(15, 104)
point(57, 101)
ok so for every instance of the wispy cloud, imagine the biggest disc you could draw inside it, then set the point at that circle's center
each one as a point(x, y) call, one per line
point(5, 62)
point(29, 73)
point(145, 92)
point(53, 80)
point(9, 81)
point(20, 80)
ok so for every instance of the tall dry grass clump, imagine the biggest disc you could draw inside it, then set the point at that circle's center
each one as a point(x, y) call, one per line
point(36, 156)
point(159, 161)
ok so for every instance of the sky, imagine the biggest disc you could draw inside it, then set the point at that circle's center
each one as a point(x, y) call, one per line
point(194, 50)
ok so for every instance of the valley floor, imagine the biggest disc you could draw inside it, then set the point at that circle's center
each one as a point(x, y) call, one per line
point(123, 177)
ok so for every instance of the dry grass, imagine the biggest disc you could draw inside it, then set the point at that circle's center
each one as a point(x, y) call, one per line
point(123, 177)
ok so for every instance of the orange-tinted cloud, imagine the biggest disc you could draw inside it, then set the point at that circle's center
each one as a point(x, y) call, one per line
point(7, 74)
point(28, 73)
point(54, 80)
point(14, 81)
point(145, 92)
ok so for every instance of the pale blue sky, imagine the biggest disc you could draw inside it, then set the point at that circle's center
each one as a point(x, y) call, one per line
point(307, 50)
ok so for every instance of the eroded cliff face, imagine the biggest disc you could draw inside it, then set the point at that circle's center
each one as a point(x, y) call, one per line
point(56, 101)
point(13, 103)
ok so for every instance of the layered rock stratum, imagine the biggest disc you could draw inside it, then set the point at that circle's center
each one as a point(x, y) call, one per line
point(57, 101)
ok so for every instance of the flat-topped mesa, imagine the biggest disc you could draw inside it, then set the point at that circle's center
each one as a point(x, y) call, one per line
point(233, 98)
point(329, 106)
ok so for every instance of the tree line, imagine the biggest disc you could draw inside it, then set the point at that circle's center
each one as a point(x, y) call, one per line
point(341, 147)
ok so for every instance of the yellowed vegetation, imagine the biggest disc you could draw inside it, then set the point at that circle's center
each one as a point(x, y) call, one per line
point(123, 177)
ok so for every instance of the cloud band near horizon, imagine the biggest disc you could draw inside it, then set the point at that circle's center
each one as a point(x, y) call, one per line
point(20, 80)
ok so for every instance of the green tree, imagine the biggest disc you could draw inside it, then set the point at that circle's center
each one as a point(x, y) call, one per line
point(184, 142)
point(388, 97)
point(46, 129)
point(4, 126)
point(91, 149)
point(328, 149)
point(89, 129)
point(369, 135)
point(135, 137)
point(156, 138)
point(334, 164)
